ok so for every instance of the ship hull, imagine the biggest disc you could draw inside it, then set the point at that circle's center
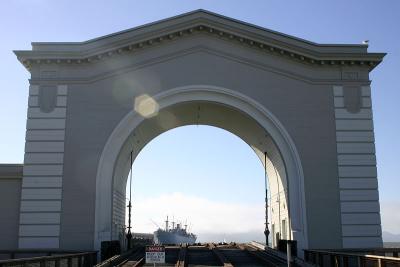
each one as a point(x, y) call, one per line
point(162, 237)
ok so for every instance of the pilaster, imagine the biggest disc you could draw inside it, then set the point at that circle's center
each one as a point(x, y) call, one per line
point(359, 198)
point(41, 196)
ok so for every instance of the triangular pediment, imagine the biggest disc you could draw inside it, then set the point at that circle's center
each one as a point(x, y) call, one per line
point(199, 22)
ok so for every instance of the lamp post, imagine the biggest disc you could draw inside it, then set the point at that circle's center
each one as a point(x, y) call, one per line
point(266, 231)
point(129, 234)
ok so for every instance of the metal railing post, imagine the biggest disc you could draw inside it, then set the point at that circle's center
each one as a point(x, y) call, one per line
point(87, 261)
point(332, 260)
point(80, 261)
point(289, 253)
point(359, 261)
point(95, 257)
point(321, 259)
point(345, 261)
point(379, 262)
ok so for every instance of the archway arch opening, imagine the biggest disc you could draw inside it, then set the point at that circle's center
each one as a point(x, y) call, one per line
point(241, 117)
point(203, 174)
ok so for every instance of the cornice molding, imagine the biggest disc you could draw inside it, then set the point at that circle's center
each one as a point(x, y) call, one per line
point(32, 57)
point(204, 49)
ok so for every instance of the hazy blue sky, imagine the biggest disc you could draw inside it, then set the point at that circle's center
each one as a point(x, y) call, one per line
point(339, 21)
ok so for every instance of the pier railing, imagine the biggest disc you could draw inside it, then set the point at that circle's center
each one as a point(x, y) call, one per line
point(84, 259)
point(353, 258)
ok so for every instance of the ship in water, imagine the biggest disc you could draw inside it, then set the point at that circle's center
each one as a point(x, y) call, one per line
point(175, 235)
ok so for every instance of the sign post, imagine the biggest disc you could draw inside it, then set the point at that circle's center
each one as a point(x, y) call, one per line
point(155, 254)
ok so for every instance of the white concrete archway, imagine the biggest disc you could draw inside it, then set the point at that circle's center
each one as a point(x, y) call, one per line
point(115, 143)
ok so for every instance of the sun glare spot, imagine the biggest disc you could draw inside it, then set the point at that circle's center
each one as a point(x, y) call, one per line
point(146, 106)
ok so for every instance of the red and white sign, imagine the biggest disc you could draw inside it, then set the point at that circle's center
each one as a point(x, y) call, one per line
point(155, 254)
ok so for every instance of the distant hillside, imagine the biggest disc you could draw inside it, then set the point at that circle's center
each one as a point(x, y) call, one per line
point(391, 244)
point(389, 237)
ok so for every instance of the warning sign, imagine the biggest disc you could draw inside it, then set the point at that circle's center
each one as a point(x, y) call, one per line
point(155, 254)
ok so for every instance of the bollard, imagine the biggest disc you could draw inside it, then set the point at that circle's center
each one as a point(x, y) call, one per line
point(288, 253)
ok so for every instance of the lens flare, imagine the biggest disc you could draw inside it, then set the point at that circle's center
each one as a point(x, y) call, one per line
point(146, 106)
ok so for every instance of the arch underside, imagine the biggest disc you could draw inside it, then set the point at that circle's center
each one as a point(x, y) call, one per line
point(203, 113)
point(214, 107)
